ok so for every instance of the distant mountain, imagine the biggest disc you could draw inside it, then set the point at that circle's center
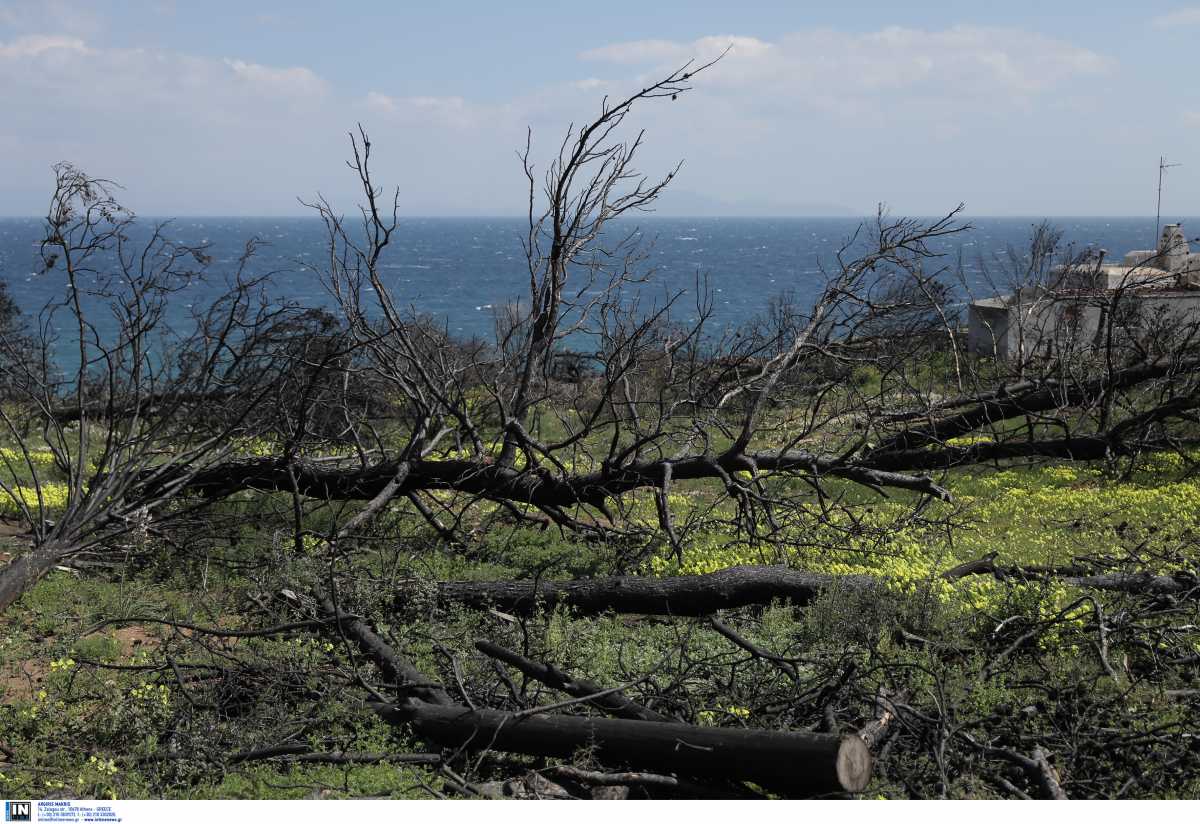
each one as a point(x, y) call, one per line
point(682, 203)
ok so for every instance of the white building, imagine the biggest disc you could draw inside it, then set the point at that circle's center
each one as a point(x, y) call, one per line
point(1084, 303)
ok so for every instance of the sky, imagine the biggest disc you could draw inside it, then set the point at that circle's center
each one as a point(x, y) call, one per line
point(244, 108)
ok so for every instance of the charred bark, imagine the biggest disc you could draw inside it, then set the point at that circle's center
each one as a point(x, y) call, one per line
point(698, 595)
point(1082, 448)
point(687, 595)
point(320, 479)
point(1043, 399)
point(795, 763)
point(22, 573)
point(792, 762)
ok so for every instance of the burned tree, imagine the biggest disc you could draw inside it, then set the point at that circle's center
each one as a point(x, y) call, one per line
point(667, 404)
point(120, 405)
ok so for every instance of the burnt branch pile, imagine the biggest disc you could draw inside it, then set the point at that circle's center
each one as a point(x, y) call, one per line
point(793, 763)
point(614, 550)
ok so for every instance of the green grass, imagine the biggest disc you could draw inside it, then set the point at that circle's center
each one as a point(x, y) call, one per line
point(84, 729)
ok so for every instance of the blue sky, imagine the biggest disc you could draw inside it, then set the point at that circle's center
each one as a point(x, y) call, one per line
point(1040, 109)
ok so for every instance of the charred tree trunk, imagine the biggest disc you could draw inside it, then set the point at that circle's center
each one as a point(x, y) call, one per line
point(1041, 399)
point(698, 595)
point(688, 595)
point(794, 763)
point(25, 571)
point(328, 480)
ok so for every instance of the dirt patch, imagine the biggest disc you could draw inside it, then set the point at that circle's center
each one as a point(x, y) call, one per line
point(8, 529)
point(135, 639)
point(20, 680)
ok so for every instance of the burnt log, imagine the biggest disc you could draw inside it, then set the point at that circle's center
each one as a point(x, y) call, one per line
point(879, 728)
point(794, 763)
point(1180, 584)
point(1081, 448)
point(701, 595)
point(331, 480)
point(147, 405)
point(687, 595)
point(1038, 770)
point(997, 408)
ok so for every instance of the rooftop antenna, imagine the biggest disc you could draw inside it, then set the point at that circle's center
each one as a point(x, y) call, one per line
point(1163, 165)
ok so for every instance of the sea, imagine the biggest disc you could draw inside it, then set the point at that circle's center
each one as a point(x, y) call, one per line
point(462, 271)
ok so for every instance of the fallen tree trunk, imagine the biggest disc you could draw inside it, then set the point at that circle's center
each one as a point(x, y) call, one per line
point(1082, 448)
point(1133, 583)
point(796, 763)
point(144, 405)
point(698, 595)
point(1037, 769)
point(320, 479)
point(23, 572)
point(877, 730)
point(995, 408)
point(687, 595)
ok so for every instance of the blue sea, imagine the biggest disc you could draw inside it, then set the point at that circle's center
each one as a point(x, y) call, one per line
point(461, 269)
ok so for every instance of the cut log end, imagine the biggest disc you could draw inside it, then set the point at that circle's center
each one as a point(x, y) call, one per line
point(854, 764)
point(793, 764)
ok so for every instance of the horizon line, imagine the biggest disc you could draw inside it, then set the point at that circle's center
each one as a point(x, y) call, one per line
point(651, 216)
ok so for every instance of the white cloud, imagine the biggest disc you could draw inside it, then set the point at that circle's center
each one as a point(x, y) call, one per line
point(295, 80)
point(380, 102)
point(677, 53)
point(74, 70)
point(829, 68)
point(816, 112)
point(636, 51)
point(178, 128)
point(38, 44)
point(426, 110)
point(1189, 16)
point(904, 114)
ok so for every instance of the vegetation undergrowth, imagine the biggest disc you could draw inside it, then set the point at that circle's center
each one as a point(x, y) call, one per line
point(100, 706)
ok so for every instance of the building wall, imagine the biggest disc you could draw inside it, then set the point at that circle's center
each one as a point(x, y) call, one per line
point(1157, 286)
point(987, 330)
point(1034, 323)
